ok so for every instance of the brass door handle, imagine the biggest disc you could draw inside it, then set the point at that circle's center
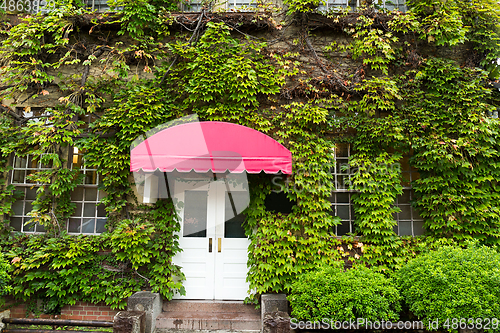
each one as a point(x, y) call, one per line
point(219, 245)
point(210, 245)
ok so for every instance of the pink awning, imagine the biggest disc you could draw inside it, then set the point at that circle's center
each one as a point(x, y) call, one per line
point(211, 145)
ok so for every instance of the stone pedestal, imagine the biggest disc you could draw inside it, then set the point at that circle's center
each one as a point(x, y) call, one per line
point(276, 322)
point(148, 302)
point(129, 322)
point(272, 303)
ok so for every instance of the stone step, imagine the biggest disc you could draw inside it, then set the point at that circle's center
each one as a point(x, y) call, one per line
point(198, 320)
point(209, 306)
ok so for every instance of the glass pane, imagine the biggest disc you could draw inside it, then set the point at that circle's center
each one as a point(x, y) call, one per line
point(343, 212)
point(77, 194)
point(404, 228)
point(17, 207)
point(195, 214)
point(343, 197)
point(78, 210)
point(418, 228)
point(90, 194)
point(101, 226)
point(235, 202)
point(18, 176)
point(405, 197)
point(31, 194)
point(396, 231)
point(344, 228)
point(340, 182)
point(16, 222)
point(39, 228)
point(28, 207)
point(74, 225)
point(89, 209)
point(20, 162)
point(342, 150)
point(91, 177)
point(416, 215)
point(28, 226)
point(405, 212)
point(101, 212)
point(77, 161)
point(343, 166)
point(88, 226)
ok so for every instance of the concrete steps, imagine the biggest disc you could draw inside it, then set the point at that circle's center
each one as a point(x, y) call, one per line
point(187, 315)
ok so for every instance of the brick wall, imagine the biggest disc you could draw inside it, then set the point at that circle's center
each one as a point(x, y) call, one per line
point(79, 311)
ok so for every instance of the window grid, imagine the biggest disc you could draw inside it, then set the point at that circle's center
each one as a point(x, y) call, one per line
point(90, 215)
point(340, 201)
point(342, 172)
point(341, 206)
point(353, 4)
point(409, 222)
point(97, 5)
point(192, 6)
point(332, 4)
point(242, 5)
point(90, 176)
point(19, 219)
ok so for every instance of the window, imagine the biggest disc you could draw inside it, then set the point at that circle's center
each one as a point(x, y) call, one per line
point(192, 6)
point(353, 4)
point(332, 4)
point(20, 219)
point(392, 5)
point(341, 203)
point(409, 221)
point(97, 5)
point(241, 5)
point(342, 207)
point(89, 216)
point(23, 166)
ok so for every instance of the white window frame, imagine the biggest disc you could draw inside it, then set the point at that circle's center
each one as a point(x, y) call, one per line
point(409, 215)
point(79, 222)
point(342, 174)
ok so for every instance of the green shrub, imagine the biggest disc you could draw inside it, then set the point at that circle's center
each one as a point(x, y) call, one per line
point(452, 282)
point(337, 295)
point(5, 287)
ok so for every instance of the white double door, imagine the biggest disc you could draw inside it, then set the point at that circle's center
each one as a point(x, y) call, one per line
point(212, 238)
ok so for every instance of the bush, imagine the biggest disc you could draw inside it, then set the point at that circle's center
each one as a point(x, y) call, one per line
point(452, 282)
point(337, 295)
point(5, 287)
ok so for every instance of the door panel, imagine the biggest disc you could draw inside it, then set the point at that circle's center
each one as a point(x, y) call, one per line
point(197, 219)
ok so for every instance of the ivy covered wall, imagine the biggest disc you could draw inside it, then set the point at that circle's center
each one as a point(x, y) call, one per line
point(387, 84)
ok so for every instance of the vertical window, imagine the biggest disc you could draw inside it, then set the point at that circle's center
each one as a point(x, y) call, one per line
point(89, 216)
point(341, 203)
point(409, 222)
